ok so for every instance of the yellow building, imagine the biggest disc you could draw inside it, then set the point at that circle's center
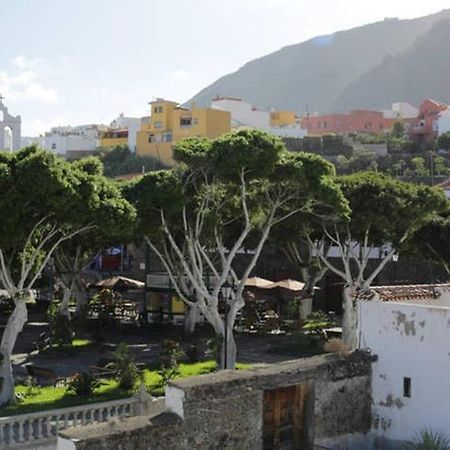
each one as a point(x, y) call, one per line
point(282, 118)
point(114, 138)
point(170, 123)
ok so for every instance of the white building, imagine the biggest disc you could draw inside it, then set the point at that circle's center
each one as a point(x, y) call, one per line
point(70, 141)
point(443, 122)
point(408, 328)
point(401, 110)
point(243, 114)
point(132, 124)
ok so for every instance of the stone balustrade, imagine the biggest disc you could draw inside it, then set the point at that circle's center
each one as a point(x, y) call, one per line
point(40, 429)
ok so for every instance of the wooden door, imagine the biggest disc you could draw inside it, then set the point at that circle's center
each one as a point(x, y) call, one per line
point(288, 418)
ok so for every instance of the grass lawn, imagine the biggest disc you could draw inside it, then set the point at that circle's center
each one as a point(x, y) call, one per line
point(45, 398)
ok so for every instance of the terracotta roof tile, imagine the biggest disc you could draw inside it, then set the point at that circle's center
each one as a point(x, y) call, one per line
point(417, 292)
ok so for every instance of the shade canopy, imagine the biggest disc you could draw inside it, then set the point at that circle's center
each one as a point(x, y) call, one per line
point(290, 285)
point(258, 282)
point(119, 282)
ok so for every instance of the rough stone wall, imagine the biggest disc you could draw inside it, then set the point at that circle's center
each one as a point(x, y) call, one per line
point(225, 409)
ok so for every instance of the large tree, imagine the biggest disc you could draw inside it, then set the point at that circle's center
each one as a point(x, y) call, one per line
point(227, 195)
point(39, 196)
point(112, 220)
point(384, 212)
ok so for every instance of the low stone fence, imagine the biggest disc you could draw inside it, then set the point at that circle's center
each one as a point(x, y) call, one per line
point(40, 429)
point(289, 405)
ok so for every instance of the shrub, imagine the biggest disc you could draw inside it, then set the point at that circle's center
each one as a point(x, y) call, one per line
point(429, 440)
point(192, 354)
point(124, 364)
point(167, 374)
point(171, 353)
point(83, 384)
point(60, 326)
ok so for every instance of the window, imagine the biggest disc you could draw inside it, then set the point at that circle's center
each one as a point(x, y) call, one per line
point(158, 124)
point(155, 110)
point(160, 109)
point(407, 387)
point(167, 137)
point(325, 124)
point(53, 146)
point(185, 122)
point(150, 138)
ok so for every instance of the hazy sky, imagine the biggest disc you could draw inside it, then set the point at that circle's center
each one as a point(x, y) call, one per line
point(85, 61)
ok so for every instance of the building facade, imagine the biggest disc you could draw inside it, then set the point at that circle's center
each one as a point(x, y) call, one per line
point(280, 123)
point(71, 142)
point(169, 123)
point(358, 121)
point(10, 129)
point(408, 328)
point(122, 132)
point(424, 128)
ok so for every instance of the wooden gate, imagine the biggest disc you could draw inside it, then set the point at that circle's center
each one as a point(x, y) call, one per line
point(288, 418)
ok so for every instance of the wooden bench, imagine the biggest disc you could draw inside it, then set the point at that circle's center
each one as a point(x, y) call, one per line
point(44, 375)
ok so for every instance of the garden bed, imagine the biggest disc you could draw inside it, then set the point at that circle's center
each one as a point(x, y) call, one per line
point(47, 398)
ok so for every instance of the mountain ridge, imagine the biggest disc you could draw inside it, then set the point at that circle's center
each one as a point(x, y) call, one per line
point(316, 73)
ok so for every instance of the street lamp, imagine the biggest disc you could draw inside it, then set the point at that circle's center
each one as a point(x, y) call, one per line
point(226, 291)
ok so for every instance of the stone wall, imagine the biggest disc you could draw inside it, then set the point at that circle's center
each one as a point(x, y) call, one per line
point(225, 409)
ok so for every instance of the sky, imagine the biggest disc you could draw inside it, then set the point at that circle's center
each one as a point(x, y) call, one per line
point(86, 61)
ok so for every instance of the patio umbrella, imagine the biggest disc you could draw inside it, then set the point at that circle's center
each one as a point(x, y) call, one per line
point(258, 282)
point(290, 285)
point(119, 282)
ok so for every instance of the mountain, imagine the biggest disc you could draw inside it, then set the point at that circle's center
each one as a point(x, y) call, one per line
point(423, 70)
point(327, 73)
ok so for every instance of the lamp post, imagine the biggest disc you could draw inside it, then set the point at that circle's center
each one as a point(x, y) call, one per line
point(226, 295)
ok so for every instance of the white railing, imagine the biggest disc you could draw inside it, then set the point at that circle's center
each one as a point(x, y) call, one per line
point(44, 426)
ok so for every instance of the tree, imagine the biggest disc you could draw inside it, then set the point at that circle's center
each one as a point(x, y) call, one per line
point(227, 196)
point(418, 164)
point(432, 240)
point(443, 141)
point(384, 211)
point(101, 204)
point(38, 197)
point(398, 130)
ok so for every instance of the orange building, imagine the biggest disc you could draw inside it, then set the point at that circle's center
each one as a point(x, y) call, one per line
point(358, 121)
point(424, 128)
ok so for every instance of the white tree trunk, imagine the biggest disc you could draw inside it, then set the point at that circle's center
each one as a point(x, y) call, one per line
point(13, 327)
point(349, 319)
point(190, 319)
point(63, 309)
point(79, 292)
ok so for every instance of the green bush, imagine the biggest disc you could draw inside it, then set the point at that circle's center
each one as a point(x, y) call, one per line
point(83, 384)
point(171, 353)
point(60, 327)
point(124, 364)
point(429, 440)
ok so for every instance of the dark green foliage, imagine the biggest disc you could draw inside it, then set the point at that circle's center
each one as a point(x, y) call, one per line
point(429, 440)
point(121, 161)
point(171, 353)
point(124, 364)
point(83, 384)
point(60, 327)
point(390, 209)
point(443, 141)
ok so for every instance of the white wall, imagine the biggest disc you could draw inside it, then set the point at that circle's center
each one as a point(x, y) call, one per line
point(132, 124)
point(444, 122)
point(242, 113)
point(413, 341)
point(63, 144)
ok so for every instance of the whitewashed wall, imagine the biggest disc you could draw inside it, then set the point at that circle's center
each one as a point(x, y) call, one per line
point(411, 341)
